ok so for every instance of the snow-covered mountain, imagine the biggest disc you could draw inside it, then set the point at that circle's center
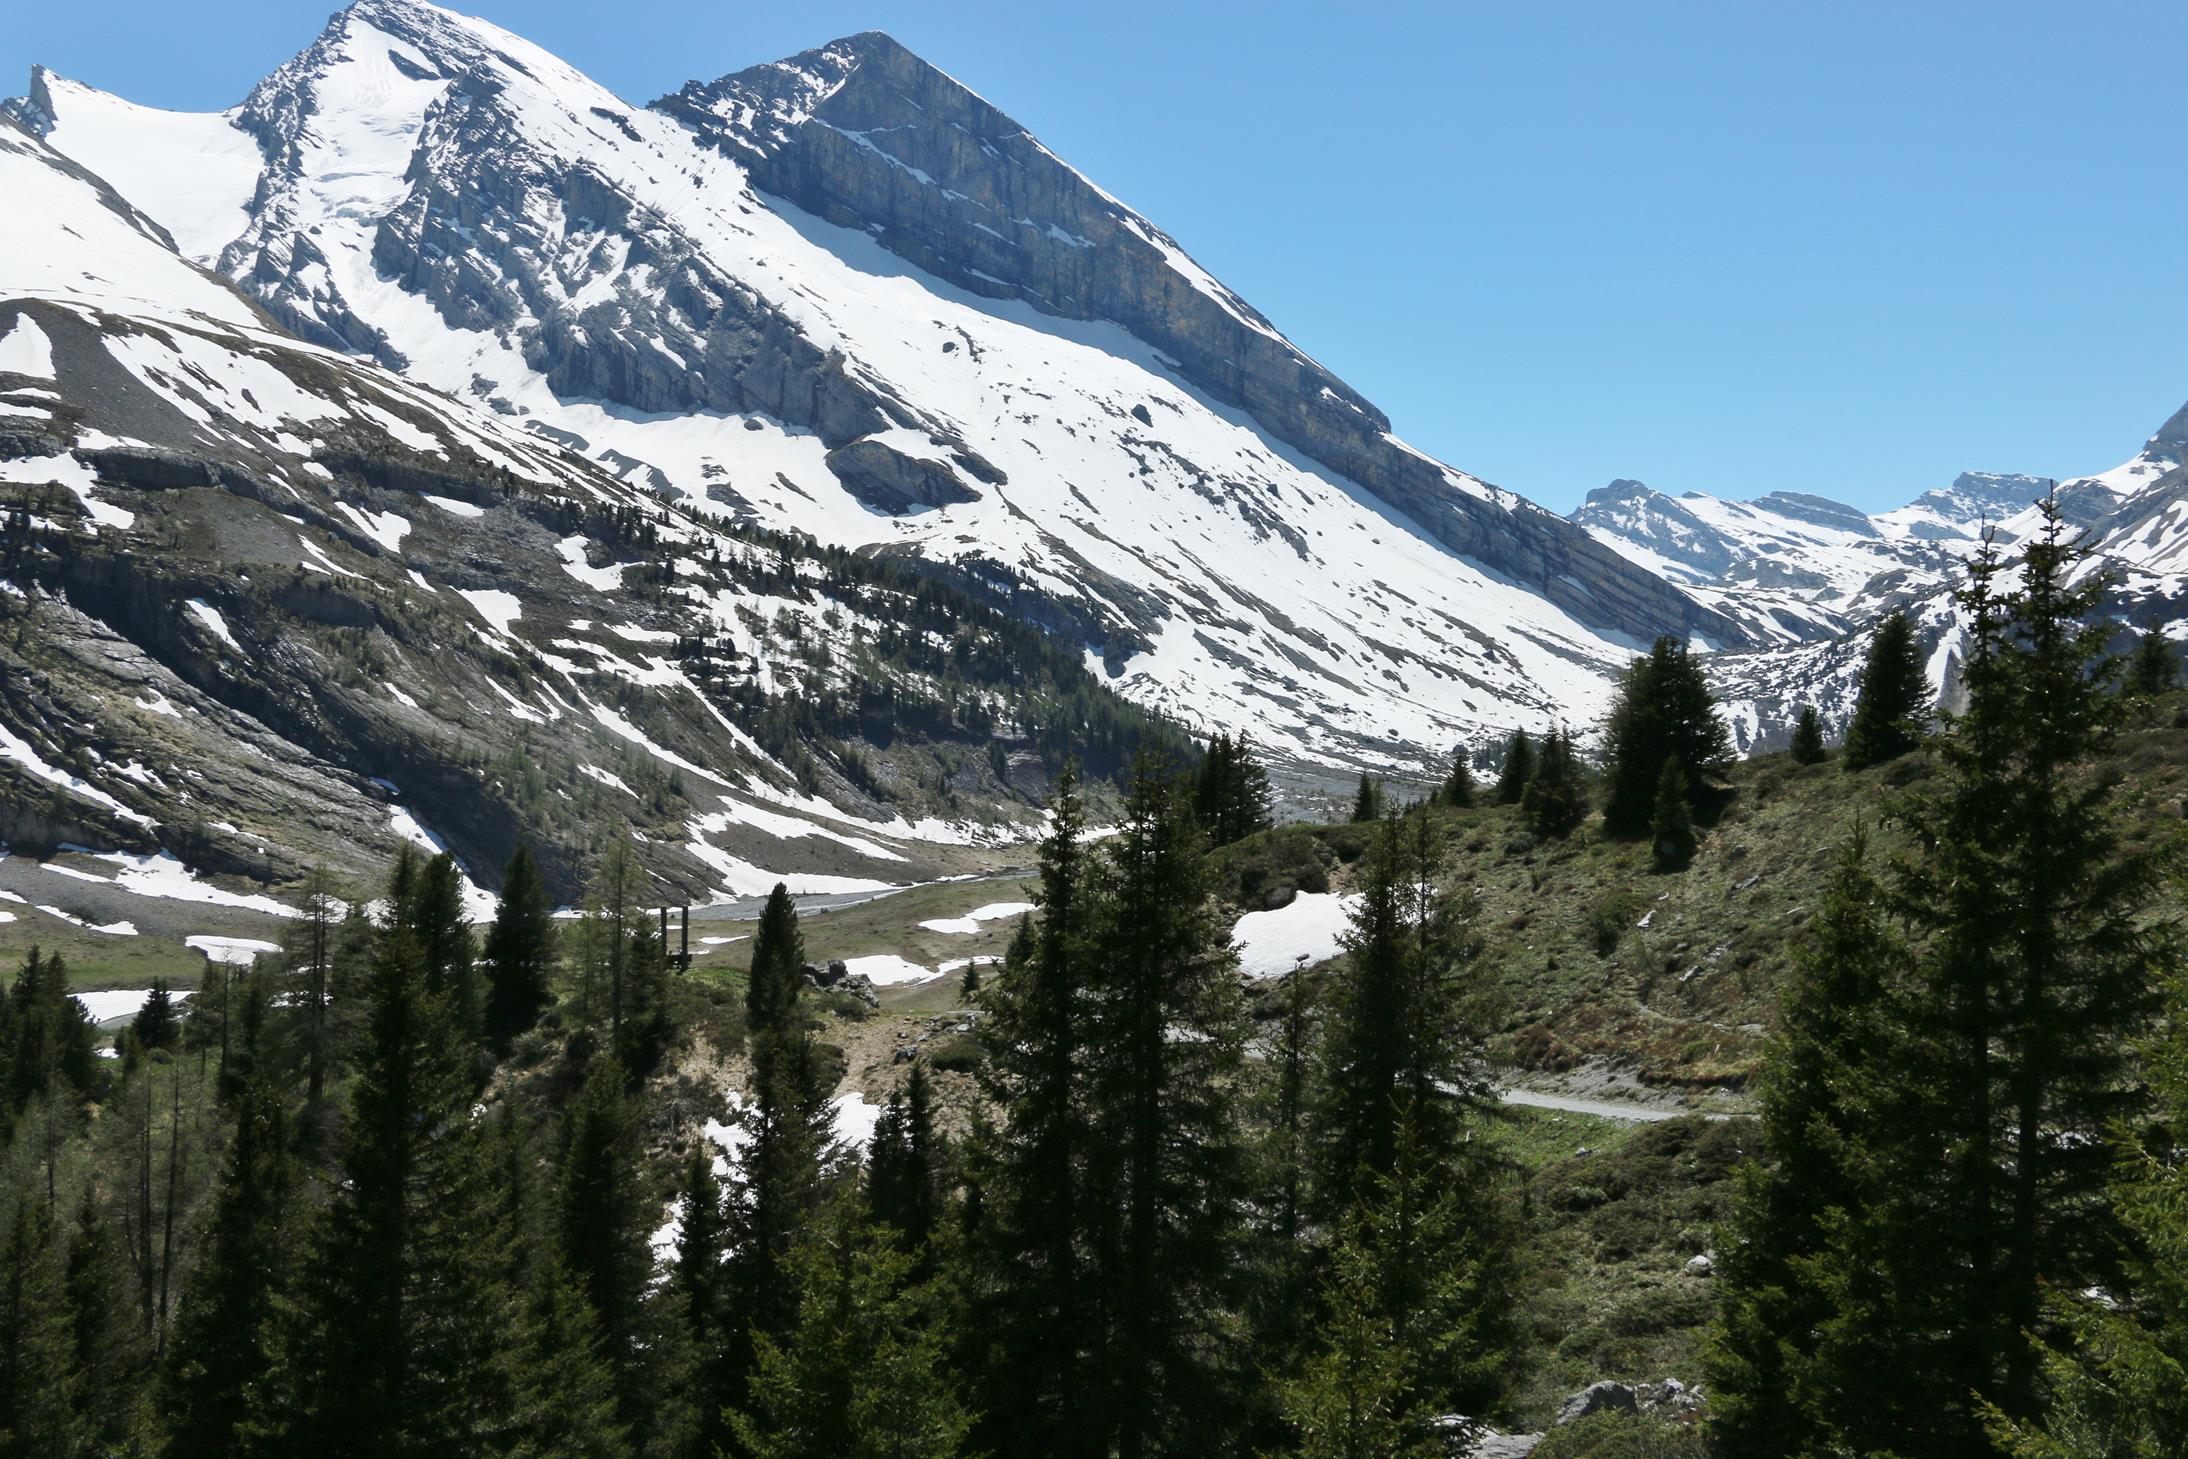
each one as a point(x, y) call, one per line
point(265, 604)
point(1807, 575)
point(842, 295)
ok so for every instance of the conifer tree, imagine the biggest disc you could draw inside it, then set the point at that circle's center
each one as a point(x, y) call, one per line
point(2115, 1391)
point(223, 1353)
point(902, 1179)
point(1519, 768)
point(519, 951)
point(1351, 1398)
point(39, 1382)
point(2154, 670)
point(1283, 1267)
point(1406, 1022)
point(1367, 801)
point(1663, 713)
point(2031, 976)
point(862, 1371)
point(1825, 1104)
point(1892, 702)
point(432, 913)
point(1556, 799)
point(46, 1041)
point(1230, 790)
point(156, 1024)
point(1671, 828)
point(1457, 790)
point(700, 1280)
point(602, 1222)
point(402, 1341)
point(778, 1188)
point(314, 947)
point(1168, 1044)
point(111, 1353)
point(1808, 737)
point(1032, 1311)
point(2074, 945)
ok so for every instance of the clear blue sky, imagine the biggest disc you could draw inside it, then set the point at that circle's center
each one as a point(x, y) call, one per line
point(1849, 248)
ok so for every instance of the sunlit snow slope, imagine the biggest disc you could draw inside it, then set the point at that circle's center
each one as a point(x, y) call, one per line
point(442, 195)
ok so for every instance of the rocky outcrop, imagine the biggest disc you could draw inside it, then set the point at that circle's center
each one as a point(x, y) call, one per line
point(890, 480)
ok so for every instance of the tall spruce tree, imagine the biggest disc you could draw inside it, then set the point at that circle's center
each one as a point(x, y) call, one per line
point(431, 910)
point(1367, 801)
point(700, 1280)
point(1984, 1171)
point(778, 1186)
point(1827, 1101)
point(1892, 702)
point(1231, 797)
point(1168, 1045)
point(1663, 713)
point(862, 1371)
point(1406, 1020)
point(223, 1355)
point(902, 1178)
point(1403, 1097)
point(2115, 1390)
point(113, 1354)
point(401, 1343)
point(1808, 737)
point(157, 1025)
point(1518, 769)
point(1556, 799)
point(40, 1385)
point(2074, 948)
point(602, 1221)
point(2153, 670)
point(1032, 1324)
point(519, 952)
point(1457, 790)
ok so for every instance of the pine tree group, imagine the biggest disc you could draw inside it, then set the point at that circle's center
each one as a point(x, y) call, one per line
point(1954, 1070)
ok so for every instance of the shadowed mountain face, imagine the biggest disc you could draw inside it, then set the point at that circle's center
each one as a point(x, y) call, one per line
point(843, 296)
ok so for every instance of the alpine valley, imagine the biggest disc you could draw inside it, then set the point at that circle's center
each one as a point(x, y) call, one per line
point(437, 446)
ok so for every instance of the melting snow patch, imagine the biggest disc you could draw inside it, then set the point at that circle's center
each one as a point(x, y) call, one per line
point(24, 350)
point(111, 929)
point(498, 608)
point(1307, 930)
point(234, 951)
point(600, 579)
point(208, 615)
point(452, 506)
point(479, 905)
point(161, 874)
point(885, 968)
point(385, 528)
point(970, 922)
point(109, 1004)
point(22, 754)
point(855, 1120)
